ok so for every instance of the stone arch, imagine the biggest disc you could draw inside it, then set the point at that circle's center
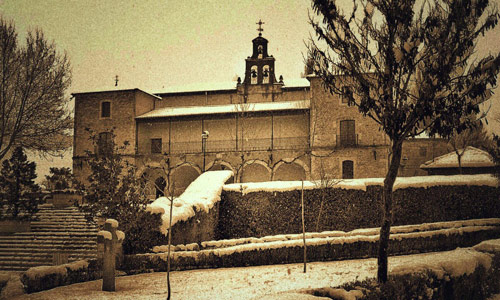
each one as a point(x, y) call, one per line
point(151, 175)
point(255, 171)
point(221, 165)
point(290, 171)
point(182, 176)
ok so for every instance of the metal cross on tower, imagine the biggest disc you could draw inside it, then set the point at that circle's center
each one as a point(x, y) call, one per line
point(116, 80)
point(260, 27)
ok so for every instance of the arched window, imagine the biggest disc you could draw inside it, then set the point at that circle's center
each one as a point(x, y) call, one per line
point(347, 169)
point(265, 74)
point(253, 75)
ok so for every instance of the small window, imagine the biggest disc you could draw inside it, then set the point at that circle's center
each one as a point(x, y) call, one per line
point(105, 143)
point(346, 95)
point(105, 109)
point(347, 133)
point(156, 146)
point(347, 169)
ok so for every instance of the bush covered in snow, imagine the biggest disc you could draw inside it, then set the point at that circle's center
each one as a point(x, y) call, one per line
point(46, 277)
point(264, 213)
point(287, 249)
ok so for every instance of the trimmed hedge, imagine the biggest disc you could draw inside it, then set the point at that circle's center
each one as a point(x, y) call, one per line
point(37, 279)
point(409, 244)
point(142, 233)
point(259, 214)
point(478, 285)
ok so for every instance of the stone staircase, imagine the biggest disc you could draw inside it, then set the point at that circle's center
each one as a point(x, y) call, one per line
point(59, 235)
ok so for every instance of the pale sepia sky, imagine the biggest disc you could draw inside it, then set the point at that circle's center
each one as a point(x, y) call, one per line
point(156, 44)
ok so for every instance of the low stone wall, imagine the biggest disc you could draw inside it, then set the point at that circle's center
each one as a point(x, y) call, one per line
point(326, 249)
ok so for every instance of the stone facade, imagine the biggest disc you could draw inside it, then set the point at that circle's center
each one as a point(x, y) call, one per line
point(261, 128)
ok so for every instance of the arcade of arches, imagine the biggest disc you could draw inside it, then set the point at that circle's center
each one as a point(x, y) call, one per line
point(183, 175)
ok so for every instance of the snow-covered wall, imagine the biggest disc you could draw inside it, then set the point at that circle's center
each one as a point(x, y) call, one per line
point(199, 198)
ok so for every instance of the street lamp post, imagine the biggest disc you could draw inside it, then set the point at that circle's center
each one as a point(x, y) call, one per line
point(204, 137)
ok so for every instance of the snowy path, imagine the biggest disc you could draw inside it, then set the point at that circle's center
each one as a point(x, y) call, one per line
point(231, 283)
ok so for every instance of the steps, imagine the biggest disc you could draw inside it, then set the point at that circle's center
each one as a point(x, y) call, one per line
point(60, 232)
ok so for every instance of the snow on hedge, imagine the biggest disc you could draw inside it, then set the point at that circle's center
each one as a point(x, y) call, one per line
point(452, 263)
point(362, 183)
point(488, 246)
point(112, 222)
point(105, 235)
point(339, 240)
point(42, 271)
point(397, 232)
point(201, 195)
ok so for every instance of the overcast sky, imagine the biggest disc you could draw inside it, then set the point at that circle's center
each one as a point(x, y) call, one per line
point(157, 44)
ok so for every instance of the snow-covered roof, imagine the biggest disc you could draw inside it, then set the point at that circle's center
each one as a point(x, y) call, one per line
point(107, 90)
point(471, 158)
point(225, 109)
point(224, 86)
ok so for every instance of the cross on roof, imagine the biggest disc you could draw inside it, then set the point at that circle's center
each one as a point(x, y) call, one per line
point(260, 27)
point(116, 80)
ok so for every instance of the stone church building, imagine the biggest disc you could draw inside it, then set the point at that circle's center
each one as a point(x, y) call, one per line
point(262, 128)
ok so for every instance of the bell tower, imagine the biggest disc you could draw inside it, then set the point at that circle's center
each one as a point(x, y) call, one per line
point(260, 66)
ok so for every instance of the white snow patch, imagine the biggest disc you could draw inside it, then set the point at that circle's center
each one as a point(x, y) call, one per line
point(453, 263)
point(38, 272)
point(362, 183)
point(14, 287)
point(488, 246)
point(200, 195)
point(105, 234)
point(341, 293)
point(471, 158)
point(245, 283)
point(255, 244)
point(397, 232)
point(112, 222)
point(77, 265)
point(225, 109)
point(120, 235)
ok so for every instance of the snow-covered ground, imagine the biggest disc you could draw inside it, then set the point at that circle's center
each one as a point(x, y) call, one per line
point(251, 282)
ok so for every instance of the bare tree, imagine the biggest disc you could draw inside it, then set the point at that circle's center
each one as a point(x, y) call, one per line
point(408, 66)
point(474, 136)
point(33, 81)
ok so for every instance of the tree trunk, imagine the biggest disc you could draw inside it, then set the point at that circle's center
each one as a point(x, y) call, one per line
point(389, 180)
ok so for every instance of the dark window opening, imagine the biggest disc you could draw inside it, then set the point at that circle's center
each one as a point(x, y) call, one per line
point(156, 146)
point(347, 169)
point(347, 133)
point(106, 109)
point(105, 143)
